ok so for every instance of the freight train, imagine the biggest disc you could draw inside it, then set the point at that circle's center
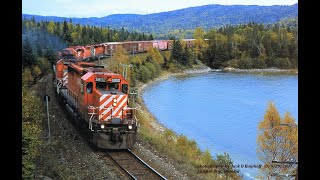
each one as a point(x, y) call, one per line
point(90, 52)
point(97, 99)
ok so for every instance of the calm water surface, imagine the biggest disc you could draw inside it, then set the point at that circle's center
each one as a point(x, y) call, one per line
point(221, 111)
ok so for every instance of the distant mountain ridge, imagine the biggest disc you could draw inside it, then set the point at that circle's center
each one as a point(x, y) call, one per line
point(207, 16)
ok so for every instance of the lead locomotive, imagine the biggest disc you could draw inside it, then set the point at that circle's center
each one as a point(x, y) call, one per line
point(98, 99)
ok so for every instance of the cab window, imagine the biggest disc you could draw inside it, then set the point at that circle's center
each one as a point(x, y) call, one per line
point(101, 85)
point(113, 86)
point(125, 88)
point(89, 88)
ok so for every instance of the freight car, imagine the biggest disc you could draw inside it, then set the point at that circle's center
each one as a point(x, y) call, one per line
point(110, 47)
point(98, 99)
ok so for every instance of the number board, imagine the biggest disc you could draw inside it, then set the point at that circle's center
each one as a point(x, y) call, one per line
point(98, 79)
point(115, 80)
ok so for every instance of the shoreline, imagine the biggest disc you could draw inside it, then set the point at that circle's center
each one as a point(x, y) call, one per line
point(261, 71)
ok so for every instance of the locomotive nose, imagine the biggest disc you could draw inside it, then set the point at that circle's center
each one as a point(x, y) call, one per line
point(111, 106)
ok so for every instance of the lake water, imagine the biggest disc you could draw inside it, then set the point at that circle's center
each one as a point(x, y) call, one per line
point(221, 111)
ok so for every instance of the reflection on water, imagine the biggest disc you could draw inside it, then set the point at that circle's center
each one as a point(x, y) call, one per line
point(221, 111)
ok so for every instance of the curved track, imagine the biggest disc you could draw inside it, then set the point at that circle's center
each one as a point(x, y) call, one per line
point(133, 166)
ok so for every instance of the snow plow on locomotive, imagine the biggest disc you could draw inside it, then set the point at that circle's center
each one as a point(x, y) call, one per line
point(98, 99)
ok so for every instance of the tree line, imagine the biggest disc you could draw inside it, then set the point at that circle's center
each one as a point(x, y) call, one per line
point(252, 46)
point(76, 34)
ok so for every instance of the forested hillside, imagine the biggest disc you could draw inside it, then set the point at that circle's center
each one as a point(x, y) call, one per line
point(207, 17)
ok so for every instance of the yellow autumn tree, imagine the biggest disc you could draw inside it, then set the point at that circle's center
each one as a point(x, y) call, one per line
point(51, 26)
point(27, 78)
point(119, 63)
point(289, 144)
point(277, 141)
point(120, 56)
point(199, 42)
point(155, 55)
point(36, 71)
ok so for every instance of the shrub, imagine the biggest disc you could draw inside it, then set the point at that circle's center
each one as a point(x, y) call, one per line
point(245, 63)
point(283, 63)
point(258, 63)
point(145, 74)
point(27, 78)
point(233, 63)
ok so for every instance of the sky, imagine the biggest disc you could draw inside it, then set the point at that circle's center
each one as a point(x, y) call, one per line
point(100, 8)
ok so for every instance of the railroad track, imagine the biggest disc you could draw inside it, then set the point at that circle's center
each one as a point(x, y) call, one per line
point(133, 166)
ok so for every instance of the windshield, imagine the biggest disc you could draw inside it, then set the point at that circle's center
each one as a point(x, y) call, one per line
point(112, 86)
point(103, 86)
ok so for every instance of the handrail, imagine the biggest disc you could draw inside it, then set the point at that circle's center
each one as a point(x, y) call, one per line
point(109, 108)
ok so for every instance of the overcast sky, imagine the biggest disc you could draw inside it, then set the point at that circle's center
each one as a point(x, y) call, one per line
point(100, 8)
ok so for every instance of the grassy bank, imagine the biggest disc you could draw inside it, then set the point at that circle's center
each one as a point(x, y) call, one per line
point(179, 148)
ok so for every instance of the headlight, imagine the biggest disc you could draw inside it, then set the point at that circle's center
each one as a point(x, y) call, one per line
point(130, 126)
point(102, 126)
point(115, 100)
point(114, 104)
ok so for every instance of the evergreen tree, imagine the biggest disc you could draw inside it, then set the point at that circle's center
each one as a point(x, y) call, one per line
point(186, 58)
point(39, 49)
point(51, 55)
point(66, 33)
point(28, 56)
point(176, 53)
point(150, 37)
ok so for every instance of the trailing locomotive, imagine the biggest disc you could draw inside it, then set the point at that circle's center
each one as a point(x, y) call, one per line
point(98, 99)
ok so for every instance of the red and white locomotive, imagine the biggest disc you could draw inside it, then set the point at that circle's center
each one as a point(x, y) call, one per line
point(98, 99)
